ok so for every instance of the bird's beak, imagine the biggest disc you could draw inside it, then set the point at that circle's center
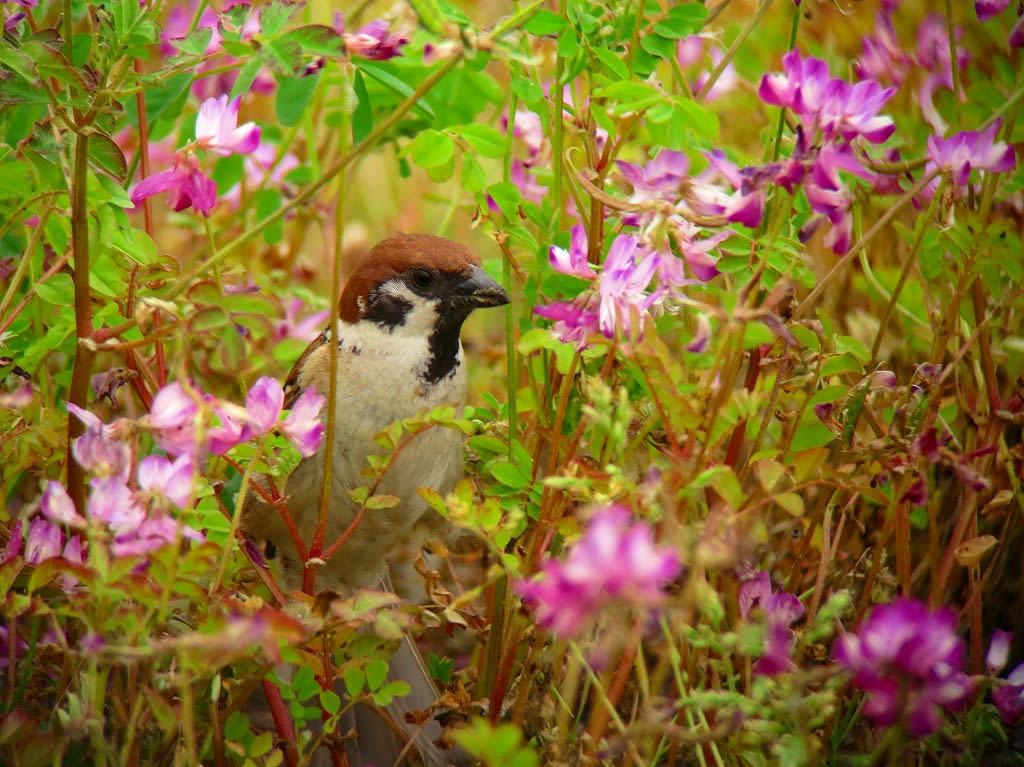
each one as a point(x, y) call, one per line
point(480, 290)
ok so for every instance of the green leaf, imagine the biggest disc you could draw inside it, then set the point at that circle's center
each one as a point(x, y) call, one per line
point(14, 178)
point(682, 21)
point(293, 95)
point(396, 689)
point(268, 201)
point(316, 40)
point(362, 115)
point(330, 701)
point(274, 16)
point(167, 94)
point(430, 149)
point(506, 196)
point(474, 178)
point(613, 63)
point(811, 434)
point(105, 154)
point(388, 80)
point(656, 45)
point(376, 673)
point(485, 139)
point(545, 22)
point(509, 474)
point(703, 122)
point(59, 290)
point(246, 77)
point(196, 43)
point(354, 679)
point(429, 15)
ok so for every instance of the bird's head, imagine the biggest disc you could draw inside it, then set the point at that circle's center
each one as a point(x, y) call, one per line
point(419, 286)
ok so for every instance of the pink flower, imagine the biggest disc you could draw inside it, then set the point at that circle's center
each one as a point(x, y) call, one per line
point(186, 184)
point(172, 418)
point(263, 404)
point(43, 542)
point(173, 481)
point(575, 321)
point(616, 561)
point(303, 330)
point(217, 128)
point(573, 261)
point(58, 507)
point(908, 660)
point(95, 451)
point(986, 9)
point(303, 426)
point(967, 150)
point(779, 609)
point(623, 285)
point(375, 41)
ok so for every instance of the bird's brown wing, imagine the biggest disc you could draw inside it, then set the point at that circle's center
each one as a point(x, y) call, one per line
point(292, 385)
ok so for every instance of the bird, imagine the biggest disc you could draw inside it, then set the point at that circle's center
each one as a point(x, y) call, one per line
point(399, 354)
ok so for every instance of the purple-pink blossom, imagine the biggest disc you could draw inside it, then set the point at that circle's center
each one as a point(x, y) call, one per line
point(616, 561)
point(303, 426)
point(168, 479)
point(908, 661)
point(95, 451)
point(217, 131)
point(186, 184)
point(965, 151)
point(375, 41)
point(778, 609)
point(1008, 693)
point(574, 260)
point(172, 419)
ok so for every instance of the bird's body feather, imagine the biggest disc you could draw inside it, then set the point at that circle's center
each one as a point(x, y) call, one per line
point(398, 355)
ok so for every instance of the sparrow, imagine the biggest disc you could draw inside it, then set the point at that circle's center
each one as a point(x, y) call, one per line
point(399, 354)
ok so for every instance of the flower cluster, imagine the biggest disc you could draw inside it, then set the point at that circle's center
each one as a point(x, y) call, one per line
point(217, 131)
point(779, 610)
point(909, 662)
point(616, 561)
point(178, 419)
point(965, 151)
point(833, 114)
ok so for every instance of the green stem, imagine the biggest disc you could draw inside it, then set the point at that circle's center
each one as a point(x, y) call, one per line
point(306, 194)
point(731, 52)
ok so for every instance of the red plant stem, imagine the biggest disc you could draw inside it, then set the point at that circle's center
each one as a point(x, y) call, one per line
point(282, 722)
point(902, 529)
point(78, 392)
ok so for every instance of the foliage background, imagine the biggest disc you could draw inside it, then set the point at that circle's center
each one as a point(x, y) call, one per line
point(721, 449)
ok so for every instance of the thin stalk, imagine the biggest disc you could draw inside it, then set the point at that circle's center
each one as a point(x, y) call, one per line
point(78, 394)
point(731, 52)
point(880, 224)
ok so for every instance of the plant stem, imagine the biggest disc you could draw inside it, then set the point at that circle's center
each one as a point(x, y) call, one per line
point(79, 391)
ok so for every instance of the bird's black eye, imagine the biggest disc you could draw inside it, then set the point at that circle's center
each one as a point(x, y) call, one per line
point(422, 278)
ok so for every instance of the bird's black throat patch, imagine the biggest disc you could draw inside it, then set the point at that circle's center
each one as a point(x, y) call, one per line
point(444, 344)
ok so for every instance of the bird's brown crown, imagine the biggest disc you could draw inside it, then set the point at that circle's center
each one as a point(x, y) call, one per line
point(392, 257)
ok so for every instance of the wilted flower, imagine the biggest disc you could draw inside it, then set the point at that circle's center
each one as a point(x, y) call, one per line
point(908, 660)
point(616, 561)
point(779, 609)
